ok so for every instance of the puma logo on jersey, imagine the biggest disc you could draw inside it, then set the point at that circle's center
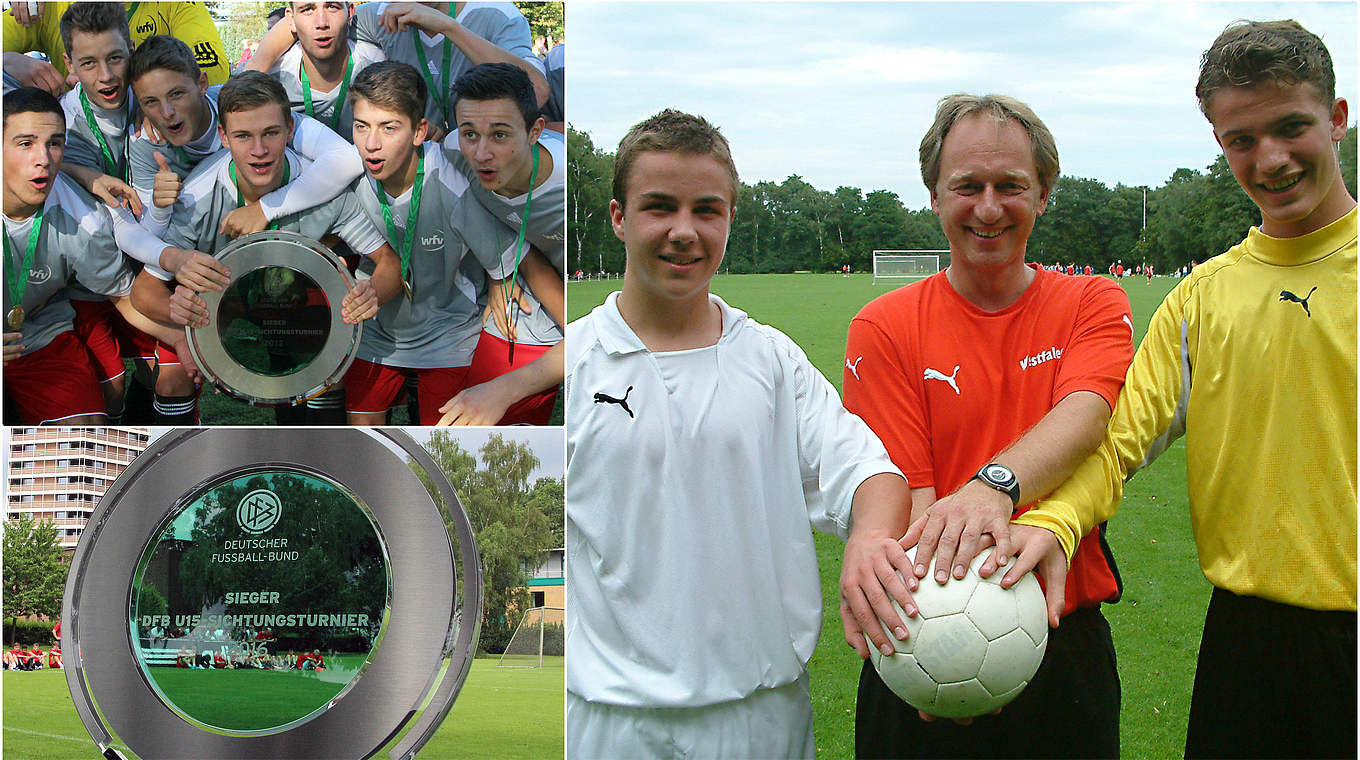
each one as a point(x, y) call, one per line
point(935, 374)
point(1043, 356)
point(1287, 296)
point(854, 368)
point(601, 398)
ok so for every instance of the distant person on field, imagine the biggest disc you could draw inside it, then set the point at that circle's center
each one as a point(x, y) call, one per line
point(701, 445)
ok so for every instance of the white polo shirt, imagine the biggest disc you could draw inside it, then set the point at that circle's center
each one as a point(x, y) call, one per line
point(693, 570)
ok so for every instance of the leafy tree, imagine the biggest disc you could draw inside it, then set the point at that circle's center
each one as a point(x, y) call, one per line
point(34, 569)
point(1348, 158)
point(547, 497)
point(511, 521)
point(590, 178)
point(544, 19)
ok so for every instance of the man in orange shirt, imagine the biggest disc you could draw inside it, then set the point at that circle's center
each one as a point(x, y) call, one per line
point(988, 383)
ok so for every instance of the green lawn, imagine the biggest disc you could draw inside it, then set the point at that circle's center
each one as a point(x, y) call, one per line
point(500, 712)
point(1157, 624)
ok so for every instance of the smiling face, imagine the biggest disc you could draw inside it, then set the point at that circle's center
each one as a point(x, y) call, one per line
point(256, 138)
point(674, 224)
point(387, 143)
point(100, 62)
point(34, 144)
point(321, 28)
point(175, 104)
point(493, 139)
point(988, 195)
point(1280, 141)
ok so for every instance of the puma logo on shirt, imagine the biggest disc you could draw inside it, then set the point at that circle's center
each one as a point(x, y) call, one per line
point(935, 374)
point(1287, 296)
point(601, 398)
point(854, 368)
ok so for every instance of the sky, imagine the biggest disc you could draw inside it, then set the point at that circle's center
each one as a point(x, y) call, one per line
point(840, 93)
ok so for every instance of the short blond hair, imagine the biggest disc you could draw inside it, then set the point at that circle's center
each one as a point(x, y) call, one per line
point(1003, 108)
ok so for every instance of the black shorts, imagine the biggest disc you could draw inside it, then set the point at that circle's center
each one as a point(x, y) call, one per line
point(1273, 680)
point(1070, 709)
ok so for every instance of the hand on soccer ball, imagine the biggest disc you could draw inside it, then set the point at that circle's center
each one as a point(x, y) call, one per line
point(959, 526)
point(870, 583)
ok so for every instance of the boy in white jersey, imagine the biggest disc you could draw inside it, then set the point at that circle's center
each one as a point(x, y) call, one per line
point(318, 69)
point(1270, 447)
point(425, 205)
point(519, 175)
point(54, 233)
point(255, 125)
point(694, 432)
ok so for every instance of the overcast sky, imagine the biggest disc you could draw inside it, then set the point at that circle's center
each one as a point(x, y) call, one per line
point(840, 93)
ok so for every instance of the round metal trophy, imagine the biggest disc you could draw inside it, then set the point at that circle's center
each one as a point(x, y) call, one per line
point(282, 593)
point(275, 333)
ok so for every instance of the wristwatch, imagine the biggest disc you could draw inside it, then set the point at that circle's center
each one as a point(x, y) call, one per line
point(1000, 477)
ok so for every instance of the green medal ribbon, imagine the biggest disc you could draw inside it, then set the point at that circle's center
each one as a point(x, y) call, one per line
point(18, 281)
point(412, 217)
point(110, 166)
point(509, 287)
point(339, 99)
point(441, 98)
point(231, 167)
point(132, 11)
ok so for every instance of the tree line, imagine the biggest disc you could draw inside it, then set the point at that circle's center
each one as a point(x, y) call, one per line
point(793, 226)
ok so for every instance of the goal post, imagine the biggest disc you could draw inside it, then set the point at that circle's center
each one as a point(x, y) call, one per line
point(541, 632)
point(907, 265)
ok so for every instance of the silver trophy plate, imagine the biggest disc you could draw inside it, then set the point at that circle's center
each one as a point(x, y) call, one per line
point(276, 333)
point(248, 593)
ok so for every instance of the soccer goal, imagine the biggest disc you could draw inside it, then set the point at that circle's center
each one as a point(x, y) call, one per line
point(906, 265)
point(541, 633)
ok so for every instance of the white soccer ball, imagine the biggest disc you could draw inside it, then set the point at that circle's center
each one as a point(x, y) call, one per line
point(972, 647)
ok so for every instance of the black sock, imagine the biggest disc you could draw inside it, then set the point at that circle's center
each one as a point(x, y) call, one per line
point(176, 411)
point(138, 403)
point(327, 409)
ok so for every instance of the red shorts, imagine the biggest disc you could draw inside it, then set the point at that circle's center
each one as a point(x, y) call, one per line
point(371, 388)
point(110, 338)
point(165, 355)
point(54, 383)
point(492, 359)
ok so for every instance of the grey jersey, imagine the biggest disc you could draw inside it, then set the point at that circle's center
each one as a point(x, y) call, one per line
point(288, 71)
point(82, 145)
point(499, 23)
point(439, 326)
point(76, 244)
point(545, 230)
point(209, 195)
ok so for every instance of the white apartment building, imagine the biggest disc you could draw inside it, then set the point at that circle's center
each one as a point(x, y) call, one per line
point(57, 474)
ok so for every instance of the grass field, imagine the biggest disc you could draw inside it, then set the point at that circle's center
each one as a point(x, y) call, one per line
point(1157, 624)
point(500, 713)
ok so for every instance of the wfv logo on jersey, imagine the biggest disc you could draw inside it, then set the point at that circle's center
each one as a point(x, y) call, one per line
point(1041, 357)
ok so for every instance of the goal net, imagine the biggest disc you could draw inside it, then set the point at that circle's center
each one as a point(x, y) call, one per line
point(907, 265)
point(541, 633)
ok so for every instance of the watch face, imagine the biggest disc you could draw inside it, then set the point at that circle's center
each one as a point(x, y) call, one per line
point(999, 474)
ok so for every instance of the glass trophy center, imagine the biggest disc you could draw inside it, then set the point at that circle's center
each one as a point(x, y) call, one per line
point(270, 586)
point(276, 333)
